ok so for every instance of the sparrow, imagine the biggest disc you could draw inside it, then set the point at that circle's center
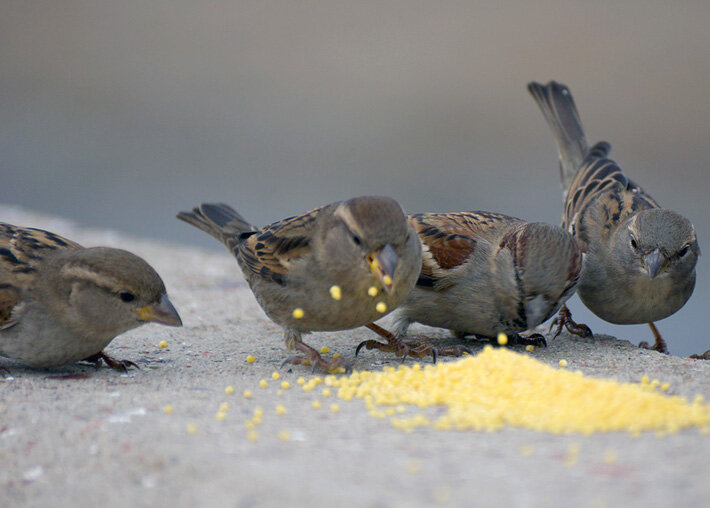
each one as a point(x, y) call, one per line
point(487, 273)
point(337, 267)
point(61, 303)
point(639, 258)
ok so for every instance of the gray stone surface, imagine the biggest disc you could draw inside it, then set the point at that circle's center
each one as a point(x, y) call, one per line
point(79, 436)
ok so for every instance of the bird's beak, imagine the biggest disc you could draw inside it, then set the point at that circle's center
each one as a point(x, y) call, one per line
point(655, 263)
point(383, 263)
point(162, 312)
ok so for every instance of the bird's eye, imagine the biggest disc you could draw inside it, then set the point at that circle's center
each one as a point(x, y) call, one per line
point(682, 252)
point(126, 296)
point(357, 240)
point(634, 245)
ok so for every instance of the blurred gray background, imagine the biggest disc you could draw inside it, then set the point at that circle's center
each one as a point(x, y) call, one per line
point(119, 114)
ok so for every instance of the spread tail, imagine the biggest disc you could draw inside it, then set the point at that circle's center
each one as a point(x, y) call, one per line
point(556, 102)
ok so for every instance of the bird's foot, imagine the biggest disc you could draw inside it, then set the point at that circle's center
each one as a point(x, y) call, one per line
point(416, 347)
point(310, 356)
point(661, 348)
point(564, 320)
point(401, 347)
point(120, 365)
point(703, 356)
point(515, 339)
point(660, 344)
point(534, 339)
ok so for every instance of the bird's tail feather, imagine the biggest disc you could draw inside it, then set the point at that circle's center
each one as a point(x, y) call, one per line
point(557, 104)
point(219, 220)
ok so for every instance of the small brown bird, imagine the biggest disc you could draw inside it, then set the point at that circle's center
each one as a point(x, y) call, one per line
point(486, 273)
point(337, 267)
point(639, 259)
point(61, 302)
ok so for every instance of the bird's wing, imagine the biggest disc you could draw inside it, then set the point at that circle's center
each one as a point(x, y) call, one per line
point(269, 252)
point(450, 239)
point(21, 250)
point(600, 197)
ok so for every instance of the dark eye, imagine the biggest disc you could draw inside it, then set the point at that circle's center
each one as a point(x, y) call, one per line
point(126, 296)
point(634, 245)
point(682, 252)
point(357, 240)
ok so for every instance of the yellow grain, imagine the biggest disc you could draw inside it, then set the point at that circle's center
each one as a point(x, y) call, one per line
point(513, 389)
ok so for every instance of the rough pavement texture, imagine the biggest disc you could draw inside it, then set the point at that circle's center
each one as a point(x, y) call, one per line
point(78, 435)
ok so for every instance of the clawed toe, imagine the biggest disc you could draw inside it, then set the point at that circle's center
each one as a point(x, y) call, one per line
point(372, 344)
point(534, 339)
point(310, 356)
point(564, 320)
point(454, 350)
point(703, 356)
point(402, 348)
point(119, 365)
point(659, 345)
point(660, 348)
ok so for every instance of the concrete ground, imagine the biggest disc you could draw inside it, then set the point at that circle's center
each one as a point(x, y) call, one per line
point(81, 436)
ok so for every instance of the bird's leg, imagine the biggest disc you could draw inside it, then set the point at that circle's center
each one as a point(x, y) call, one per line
point(309, 356)
point(704, 356)
point(121, 365)
point(659, 345)
point(403, 346)
point(564, 320)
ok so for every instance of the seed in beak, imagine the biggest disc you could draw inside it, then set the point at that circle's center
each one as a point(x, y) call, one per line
point(335, 292)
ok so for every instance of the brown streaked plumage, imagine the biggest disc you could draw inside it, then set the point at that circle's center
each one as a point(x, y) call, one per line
point(486, 273)
point(61, 302)
point(294, 262)
point(639, 259)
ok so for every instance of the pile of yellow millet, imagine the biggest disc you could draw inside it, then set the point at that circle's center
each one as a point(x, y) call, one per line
point(499, 387)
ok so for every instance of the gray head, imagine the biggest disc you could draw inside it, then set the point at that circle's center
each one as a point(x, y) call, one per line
point(105, 290)
point(371, 229)
point(657, 243)
point(547, 262)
